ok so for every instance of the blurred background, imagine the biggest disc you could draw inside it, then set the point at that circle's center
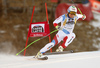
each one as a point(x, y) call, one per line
point(15, 16)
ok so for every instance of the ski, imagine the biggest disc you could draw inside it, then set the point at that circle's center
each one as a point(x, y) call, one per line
point(42, 58)
point(64, 52)
point(53, 53)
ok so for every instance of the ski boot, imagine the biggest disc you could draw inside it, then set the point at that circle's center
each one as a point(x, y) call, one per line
point(60, 49)
point(40, 57)
point(39, 54)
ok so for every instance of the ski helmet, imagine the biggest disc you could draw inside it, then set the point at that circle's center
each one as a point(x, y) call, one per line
point(72, 8)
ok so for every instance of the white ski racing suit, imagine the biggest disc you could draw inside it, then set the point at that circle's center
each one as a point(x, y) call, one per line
point(66, 34)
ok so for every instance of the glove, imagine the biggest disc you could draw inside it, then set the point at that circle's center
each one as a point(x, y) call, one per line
point(59, 28)
point(84, 16)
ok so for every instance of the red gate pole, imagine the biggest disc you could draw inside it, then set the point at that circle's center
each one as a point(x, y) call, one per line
point(48, 23)
point(29, 30)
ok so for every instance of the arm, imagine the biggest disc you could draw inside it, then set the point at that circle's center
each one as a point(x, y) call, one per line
point(81, 16)
point(57, 21)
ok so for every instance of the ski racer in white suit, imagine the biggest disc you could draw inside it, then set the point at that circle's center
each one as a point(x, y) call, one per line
point(65, 31)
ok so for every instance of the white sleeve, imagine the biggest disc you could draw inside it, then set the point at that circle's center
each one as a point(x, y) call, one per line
point(58, 20)
point(79, 16)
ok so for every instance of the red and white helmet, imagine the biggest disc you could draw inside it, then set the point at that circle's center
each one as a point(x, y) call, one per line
point(72, 8)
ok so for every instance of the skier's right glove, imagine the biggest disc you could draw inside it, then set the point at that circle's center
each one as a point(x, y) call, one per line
point(59, 28)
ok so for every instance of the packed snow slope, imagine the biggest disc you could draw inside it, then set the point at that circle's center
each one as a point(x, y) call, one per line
point(71, 60)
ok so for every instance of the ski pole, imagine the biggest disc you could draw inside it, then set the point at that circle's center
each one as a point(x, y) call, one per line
point(35, 41)
point(76, 6)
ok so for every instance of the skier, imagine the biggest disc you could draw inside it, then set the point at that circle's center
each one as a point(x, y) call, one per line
point(65, 31)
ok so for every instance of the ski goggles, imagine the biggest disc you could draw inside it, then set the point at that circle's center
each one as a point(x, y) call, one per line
point(73, 13)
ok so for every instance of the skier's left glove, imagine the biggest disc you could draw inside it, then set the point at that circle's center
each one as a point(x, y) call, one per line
point(84, 16)
point(59, 28)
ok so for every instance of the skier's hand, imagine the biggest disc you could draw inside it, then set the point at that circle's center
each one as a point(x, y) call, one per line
point(84, 16)
point(59, 28)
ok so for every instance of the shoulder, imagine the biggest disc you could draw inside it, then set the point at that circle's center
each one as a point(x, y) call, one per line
point(64, 16)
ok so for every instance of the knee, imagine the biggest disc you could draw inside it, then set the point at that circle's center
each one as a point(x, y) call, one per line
point(53, 41)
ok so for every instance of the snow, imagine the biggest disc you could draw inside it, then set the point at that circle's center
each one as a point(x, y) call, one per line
point(71, 60)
